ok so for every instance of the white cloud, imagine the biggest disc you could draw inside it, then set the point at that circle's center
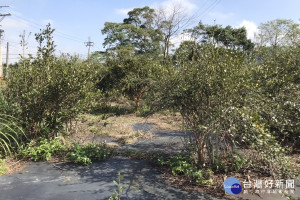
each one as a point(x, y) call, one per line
point(251, 28)
point(179, 38)
point(185, 5)
point(123, 11)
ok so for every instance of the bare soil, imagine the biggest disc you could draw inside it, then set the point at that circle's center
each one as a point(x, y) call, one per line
point(121, 128)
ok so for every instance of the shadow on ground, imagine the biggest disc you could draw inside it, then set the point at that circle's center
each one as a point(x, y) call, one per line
point(166, 142)
point(43, 180)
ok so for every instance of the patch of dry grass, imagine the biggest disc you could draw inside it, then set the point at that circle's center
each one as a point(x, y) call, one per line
point(120, 127)
point(12, 165)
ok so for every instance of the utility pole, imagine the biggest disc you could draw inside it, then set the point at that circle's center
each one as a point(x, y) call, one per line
point(1, 34)
point(7, 54)
point(1, 67)
point(89, 44)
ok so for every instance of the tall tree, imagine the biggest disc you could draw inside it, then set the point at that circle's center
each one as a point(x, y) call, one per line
point(229, 37)
point(279, 32)
point(137, 32)
point(171, 21)
point(132, 59)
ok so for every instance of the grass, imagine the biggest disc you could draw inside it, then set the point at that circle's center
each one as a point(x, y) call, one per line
point(120, 127)
point(94, 130)
point(3, 167)
point(11, 134)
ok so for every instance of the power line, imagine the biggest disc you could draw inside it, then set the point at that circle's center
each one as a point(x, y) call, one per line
point(18, 44)
point(202, 6)
point(210, 7)
point(57, 32)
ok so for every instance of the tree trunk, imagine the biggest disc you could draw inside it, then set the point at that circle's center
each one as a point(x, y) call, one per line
point(200, 149)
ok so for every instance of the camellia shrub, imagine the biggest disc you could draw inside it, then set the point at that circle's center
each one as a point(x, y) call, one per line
point(50, 90)
point(49, 96)
point(206, 89)
point(221, 97)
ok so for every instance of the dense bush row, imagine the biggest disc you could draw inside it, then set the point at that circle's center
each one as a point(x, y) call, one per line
point(231, 93)
point(229, 100)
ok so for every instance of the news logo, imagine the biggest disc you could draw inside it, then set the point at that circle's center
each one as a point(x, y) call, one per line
point(232, 186)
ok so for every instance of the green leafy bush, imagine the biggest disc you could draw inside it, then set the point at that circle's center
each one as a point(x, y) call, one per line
point(230, 99)
point(233, 162)
point(184, 165)
point(87, 153)
point(50, 90)
point(5, 107)
point(43, 149)
point(238, 161)
point(204, 89)
point(277, 81)
point(130, 75)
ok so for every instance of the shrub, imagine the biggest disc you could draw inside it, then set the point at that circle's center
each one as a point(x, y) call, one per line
point(130, 75)
point(184, 165)
point(48, 90)
point(5, 107)
point(233, 162)
point(278, 83)
point(205, 90)
point(43, 149)
point(227, 99)
point(88, 153)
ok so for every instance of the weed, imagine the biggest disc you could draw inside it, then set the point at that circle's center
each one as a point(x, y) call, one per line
point(95, 117)
point(234, 162)
point(11, 134)
point(184, 165)
point(122, 140)
point(117, 194)
point(87, 153)
point(144, 111)
point(3, 167)
point(94, 130)
point(91, 123)
point(108, 110)
point(239, 161)
point(44, 149)
point(128, 153)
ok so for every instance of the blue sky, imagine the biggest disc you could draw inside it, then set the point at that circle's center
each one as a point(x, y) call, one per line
point(76, 20)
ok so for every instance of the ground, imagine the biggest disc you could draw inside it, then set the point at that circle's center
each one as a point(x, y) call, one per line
point(135, 140)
